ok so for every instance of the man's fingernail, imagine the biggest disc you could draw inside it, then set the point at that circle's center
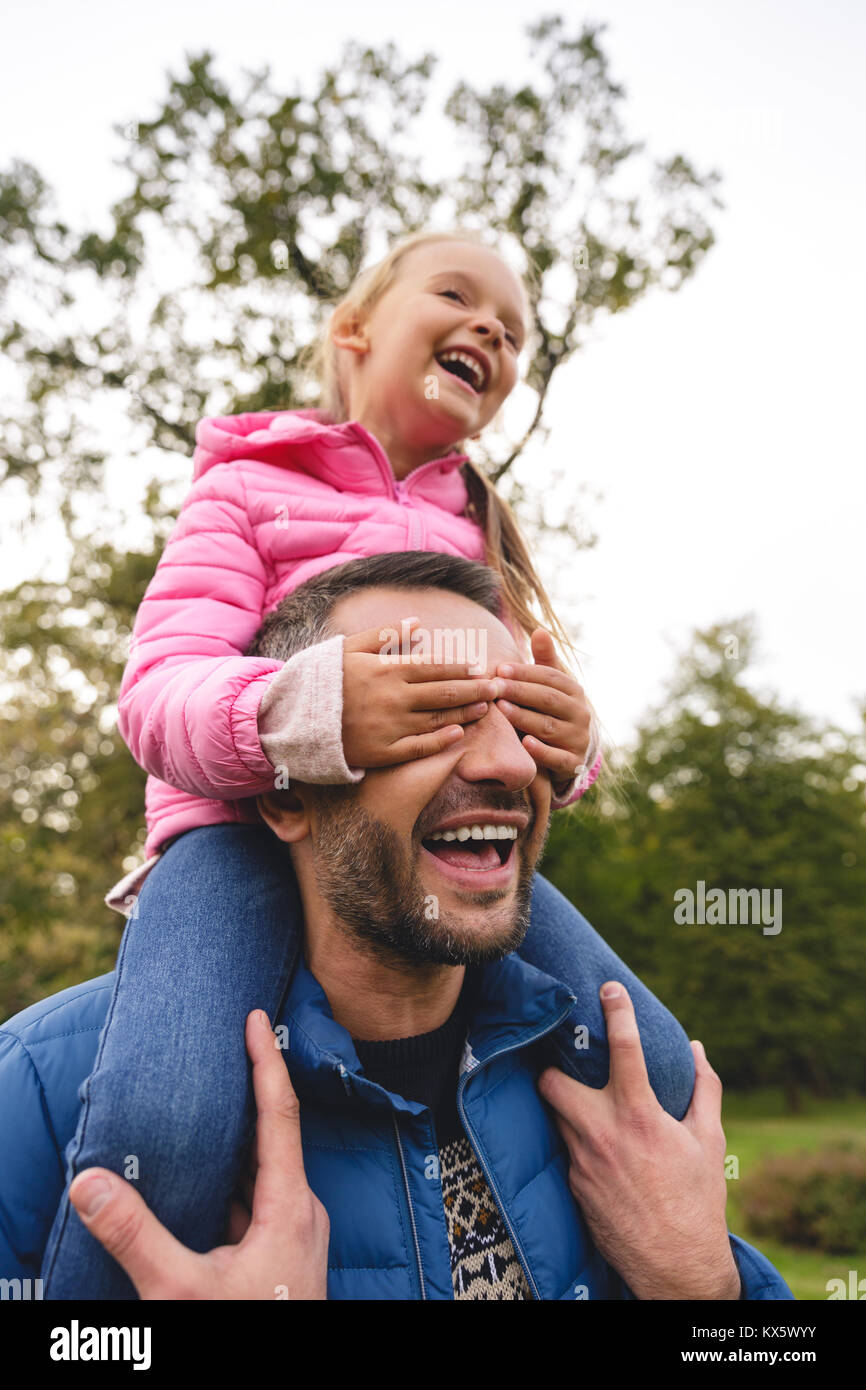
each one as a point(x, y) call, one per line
point(263, 1019)
point(609, 991)
point(91, 1196)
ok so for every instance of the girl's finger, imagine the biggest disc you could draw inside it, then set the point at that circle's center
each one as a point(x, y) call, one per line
point(419, 671)
point(380, 640)
point(560, 761)
point(411, 745)
point(445, 693)
point(417, 746)
point(539, 675)
point(544, 648)
point(557, 732)
point(428, 721)
point(541, 694)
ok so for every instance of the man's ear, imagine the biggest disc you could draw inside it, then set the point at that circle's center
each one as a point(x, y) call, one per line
point(286, 813)
point(347, 330)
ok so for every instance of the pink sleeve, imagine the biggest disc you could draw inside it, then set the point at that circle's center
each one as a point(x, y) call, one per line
point(189, 698)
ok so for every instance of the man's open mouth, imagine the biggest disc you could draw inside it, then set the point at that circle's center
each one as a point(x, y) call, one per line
point(478, 847)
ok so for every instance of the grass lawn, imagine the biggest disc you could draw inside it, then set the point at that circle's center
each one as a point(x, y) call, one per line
point(756, 1126)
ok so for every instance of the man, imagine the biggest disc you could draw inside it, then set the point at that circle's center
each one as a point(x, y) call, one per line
point(418, 1145)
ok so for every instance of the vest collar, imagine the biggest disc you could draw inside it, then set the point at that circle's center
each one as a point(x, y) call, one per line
point(510, 1002)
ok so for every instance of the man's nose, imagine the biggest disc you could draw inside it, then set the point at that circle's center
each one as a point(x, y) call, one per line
point(493, 752)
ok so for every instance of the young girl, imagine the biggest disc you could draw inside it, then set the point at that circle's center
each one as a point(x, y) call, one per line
point(418, 357)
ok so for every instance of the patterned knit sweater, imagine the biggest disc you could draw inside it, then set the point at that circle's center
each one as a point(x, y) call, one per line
point(425, 1068)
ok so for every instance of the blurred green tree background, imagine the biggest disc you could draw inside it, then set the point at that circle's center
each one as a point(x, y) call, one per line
point(246, 215)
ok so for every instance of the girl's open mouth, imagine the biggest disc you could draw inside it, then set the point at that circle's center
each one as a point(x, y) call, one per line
point(464, 368)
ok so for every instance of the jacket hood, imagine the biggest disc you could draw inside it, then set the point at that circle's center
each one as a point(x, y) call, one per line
point(342, 454)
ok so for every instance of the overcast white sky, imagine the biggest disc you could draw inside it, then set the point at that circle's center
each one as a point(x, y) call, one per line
point(733, 479)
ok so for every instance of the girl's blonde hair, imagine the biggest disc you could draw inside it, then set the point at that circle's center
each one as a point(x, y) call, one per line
point(505, 548)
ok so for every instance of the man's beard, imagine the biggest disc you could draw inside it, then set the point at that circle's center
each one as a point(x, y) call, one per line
point(374, 890)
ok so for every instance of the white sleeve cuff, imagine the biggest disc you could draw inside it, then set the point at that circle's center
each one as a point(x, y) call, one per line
point(300, 718)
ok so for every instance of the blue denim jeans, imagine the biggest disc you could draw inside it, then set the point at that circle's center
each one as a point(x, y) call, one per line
point(170, 1100)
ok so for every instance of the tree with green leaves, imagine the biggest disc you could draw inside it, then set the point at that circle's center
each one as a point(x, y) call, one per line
point(249, 214)
point(736, 791)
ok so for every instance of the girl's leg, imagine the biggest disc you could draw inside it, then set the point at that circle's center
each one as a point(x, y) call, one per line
point(169, 1102)
point(563, 944)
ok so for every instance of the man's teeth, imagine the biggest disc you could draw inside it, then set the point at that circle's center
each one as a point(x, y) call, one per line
point(477, 832)
point(471, 362)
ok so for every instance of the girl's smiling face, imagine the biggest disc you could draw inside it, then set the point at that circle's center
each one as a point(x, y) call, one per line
point(397, 375)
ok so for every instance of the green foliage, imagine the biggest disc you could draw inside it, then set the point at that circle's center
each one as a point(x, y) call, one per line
point(248, 212)
point(735, 791)
point(815, 1200)
point(758, 1125)
point(71, 797)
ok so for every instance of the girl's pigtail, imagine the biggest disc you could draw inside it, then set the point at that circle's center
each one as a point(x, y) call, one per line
point(506, 552)
point(523, 590)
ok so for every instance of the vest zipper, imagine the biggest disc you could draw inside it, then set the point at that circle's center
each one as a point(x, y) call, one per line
point(473, 1139)
point(411, 1209)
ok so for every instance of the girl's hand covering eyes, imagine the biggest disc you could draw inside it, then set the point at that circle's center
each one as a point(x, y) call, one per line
point(546, 704)
point(396, 708)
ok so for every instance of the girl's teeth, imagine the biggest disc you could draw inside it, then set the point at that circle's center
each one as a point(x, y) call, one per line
point(470, 362)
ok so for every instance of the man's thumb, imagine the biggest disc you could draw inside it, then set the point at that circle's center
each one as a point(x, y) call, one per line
point(119, 1218)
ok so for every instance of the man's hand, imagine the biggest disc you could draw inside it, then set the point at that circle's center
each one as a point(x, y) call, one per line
point(282, 1249)
point(652, 1188)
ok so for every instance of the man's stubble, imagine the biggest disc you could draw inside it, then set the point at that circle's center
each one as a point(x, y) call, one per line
point(378, 898)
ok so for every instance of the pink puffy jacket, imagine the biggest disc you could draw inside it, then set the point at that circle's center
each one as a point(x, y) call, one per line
point(277, 497)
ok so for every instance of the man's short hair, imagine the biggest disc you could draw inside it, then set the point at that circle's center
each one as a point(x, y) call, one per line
point(303, 618)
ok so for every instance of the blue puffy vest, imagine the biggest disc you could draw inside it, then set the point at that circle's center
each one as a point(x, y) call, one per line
point(370, 1156)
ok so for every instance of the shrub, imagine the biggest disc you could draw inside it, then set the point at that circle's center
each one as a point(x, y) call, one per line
point(815, 1199)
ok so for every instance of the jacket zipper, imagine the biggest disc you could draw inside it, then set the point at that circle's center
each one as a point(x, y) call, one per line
point(473, 1139)
point(411, 1209)
point(414, 526)
point(344, 1077)
point(396, 487)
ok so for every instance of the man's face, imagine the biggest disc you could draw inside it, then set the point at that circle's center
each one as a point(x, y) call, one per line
point(431, 861)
